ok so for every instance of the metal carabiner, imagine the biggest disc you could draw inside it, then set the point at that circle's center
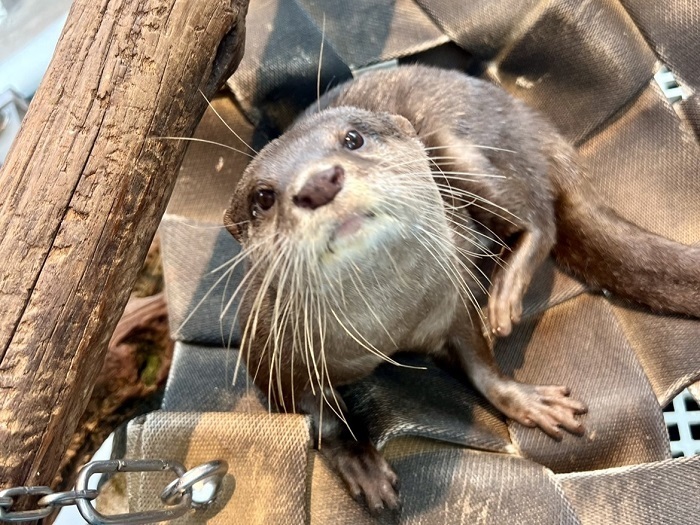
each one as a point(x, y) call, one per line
point(134, 465)
point(211, 473)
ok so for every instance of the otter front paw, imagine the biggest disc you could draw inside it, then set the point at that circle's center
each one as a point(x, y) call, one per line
point(548, 407)
point(505, 306)
point(366, 473)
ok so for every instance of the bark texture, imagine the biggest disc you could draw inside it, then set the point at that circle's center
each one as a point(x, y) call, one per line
point(133, 376)
point(81, 195)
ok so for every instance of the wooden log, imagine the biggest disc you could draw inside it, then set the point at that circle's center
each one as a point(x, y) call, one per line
point(133, 375)
point(81, 195)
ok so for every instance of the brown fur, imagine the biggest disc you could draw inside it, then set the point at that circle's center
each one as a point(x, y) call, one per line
point(321, 304)
point(545, 187)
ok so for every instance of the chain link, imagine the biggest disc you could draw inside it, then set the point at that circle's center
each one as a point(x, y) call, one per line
point(23, 515)
point(176, 497)
point(64, 499)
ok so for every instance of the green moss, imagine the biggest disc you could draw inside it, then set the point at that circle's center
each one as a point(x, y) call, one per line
point(149, 372)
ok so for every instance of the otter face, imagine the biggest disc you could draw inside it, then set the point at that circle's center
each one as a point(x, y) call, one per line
point(341, 187)
point(339, 215)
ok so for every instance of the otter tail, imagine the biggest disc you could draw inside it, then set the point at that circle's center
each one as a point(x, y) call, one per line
point(607, 251)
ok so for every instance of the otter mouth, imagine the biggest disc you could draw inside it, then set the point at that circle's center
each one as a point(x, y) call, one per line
point(350, 226)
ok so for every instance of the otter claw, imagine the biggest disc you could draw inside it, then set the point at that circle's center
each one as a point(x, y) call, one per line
point(548, 407)
point(505, 307)
point(552, 410)
point(366, 473)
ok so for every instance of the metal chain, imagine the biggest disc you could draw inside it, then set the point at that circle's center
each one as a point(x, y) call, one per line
point(176, 497)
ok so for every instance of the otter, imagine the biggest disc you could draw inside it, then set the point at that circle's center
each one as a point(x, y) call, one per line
point(366, 226)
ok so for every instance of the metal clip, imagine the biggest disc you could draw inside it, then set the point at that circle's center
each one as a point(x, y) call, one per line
point(137, 465)
point(177, 495)
point(210, 473)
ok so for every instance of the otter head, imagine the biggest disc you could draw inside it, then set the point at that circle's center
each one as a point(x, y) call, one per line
point(343, 186)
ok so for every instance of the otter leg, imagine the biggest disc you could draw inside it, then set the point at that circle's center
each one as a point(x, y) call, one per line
point(510, 283)
point(511, 200)
point(548, 407)
point(347, 447)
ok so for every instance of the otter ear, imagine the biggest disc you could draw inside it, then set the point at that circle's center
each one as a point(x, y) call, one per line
point(235, 224)
point(404, 125)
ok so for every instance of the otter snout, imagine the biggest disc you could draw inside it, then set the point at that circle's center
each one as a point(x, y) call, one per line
point(321, 188)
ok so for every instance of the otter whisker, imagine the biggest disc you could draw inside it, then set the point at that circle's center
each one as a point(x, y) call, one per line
point(290, 317)
point(367, 345)
point(432, 159)
point(320, 63)
point(470, 235)
point(337, 410)
point(278, 327)
point(264, 286)
point(388, 167)
point(398, 274)
point(469, 238)
point(452, 273)
point(307, 339)
point(311, 256)
point(297, 344)
point(183, 222)
point(500, 242)
point(204, 141)
point(406, 199)
point(364, 300)
point(244, 337)
point(493, 237)
point(472, 174)
point(470, 145)
point(464, 262)
point(242, 255)
point(248, 277)
point(477, 281)
point(321, 319)
point(275, 333)
point(473, 241)
point(204, 298)
point(423, 136)
point(211, 106)
point(311, 306)
point(287, 311)
point(248, 280)
point(460, 192)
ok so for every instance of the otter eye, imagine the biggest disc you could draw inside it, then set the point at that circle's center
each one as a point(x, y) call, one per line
point(264, 199)
point(353, 140)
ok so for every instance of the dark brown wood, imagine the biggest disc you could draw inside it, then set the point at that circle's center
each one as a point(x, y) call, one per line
point(130, 383)
point(133, 376)
point(81, 194)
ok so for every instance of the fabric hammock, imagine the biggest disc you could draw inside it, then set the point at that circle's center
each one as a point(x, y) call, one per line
point(589, 66)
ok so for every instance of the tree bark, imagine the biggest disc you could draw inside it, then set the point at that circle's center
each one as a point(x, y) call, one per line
point(133, 375)
point(81, 195)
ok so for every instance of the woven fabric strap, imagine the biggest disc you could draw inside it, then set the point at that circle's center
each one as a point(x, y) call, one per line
point(589, 66)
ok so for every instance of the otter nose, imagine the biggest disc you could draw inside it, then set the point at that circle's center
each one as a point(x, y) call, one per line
point(321, 188)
